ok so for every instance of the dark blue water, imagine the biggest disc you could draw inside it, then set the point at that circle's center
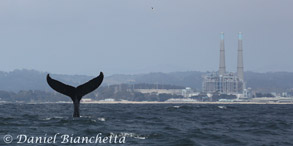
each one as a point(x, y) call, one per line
point(152, 124)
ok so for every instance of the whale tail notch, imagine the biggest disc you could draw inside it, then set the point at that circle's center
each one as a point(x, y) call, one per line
point(76, 93)
point(89, 86)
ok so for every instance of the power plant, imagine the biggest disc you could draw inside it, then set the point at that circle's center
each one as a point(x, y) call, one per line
point(223, 82)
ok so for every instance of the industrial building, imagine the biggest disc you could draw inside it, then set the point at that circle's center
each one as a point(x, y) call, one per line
point(223, 82)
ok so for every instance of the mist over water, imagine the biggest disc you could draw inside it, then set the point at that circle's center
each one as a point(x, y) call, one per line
point(154, 124)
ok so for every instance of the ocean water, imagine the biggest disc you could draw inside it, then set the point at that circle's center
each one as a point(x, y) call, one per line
point(148, 124)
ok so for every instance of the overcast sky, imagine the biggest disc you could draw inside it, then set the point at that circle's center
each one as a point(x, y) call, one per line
point(141, 36)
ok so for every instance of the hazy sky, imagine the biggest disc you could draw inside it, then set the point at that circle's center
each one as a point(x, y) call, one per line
point(128, 36)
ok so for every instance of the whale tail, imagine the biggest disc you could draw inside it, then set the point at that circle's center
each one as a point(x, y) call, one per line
point(76, 93)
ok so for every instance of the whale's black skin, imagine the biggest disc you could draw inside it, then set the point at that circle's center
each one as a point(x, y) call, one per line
point(76, 93)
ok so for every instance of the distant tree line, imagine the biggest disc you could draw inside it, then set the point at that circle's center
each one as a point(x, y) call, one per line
point(128, 92)
point(117, 92)
point(264, 95)
point(153, 86)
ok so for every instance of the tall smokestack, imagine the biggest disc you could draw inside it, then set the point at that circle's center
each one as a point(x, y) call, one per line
point(222, 67)
point(240, 58)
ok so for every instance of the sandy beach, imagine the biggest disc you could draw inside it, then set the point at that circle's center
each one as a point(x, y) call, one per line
point(148, 102)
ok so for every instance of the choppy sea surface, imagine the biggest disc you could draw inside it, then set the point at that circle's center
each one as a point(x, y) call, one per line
point(149, 124)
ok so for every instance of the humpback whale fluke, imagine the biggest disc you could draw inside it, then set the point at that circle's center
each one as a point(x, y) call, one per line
point(76, 93)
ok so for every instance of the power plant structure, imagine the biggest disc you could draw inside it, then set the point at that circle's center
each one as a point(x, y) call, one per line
point(223, 82)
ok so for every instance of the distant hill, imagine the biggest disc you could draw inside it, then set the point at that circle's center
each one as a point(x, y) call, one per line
point(188, 79)
point(268, 82)
point(263, 82)
point(18, 80)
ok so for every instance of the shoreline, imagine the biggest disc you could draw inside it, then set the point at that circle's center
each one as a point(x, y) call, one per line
point(157, 102)
point(148, 102)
